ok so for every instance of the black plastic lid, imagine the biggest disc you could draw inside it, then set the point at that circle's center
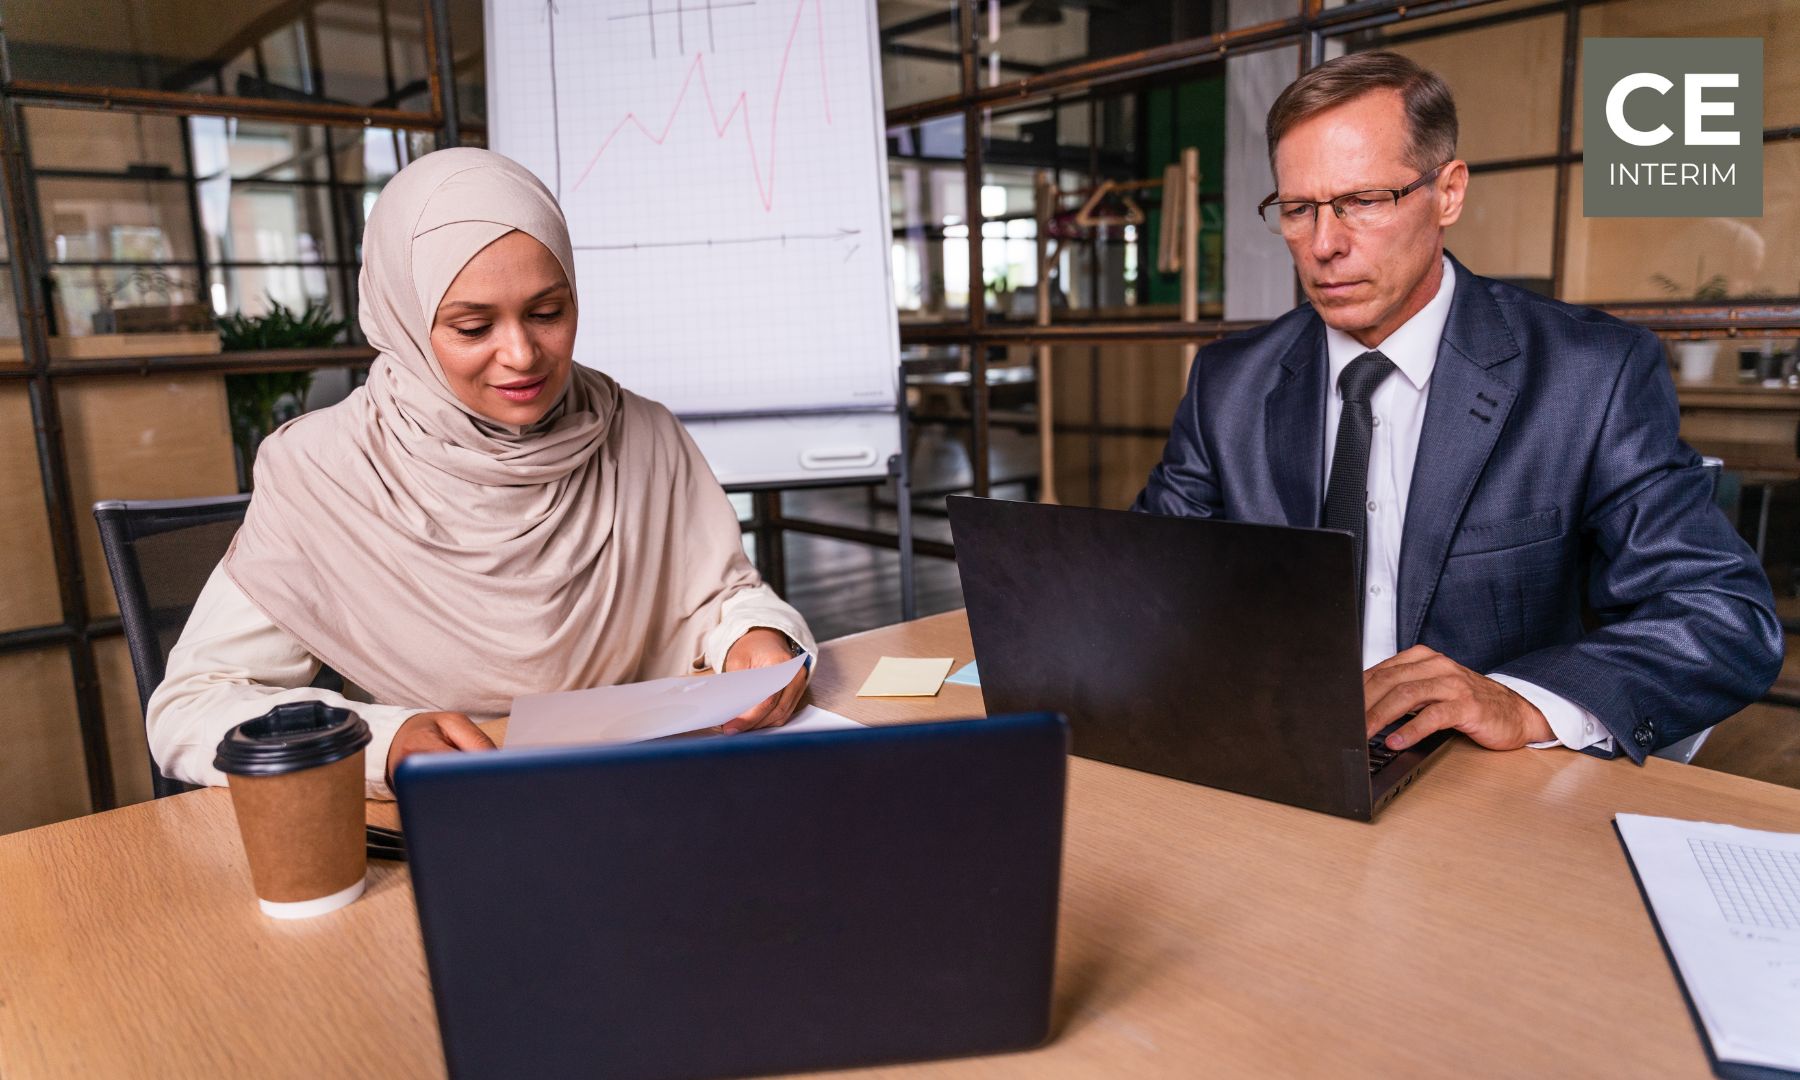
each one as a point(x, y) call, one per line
point(291, 737)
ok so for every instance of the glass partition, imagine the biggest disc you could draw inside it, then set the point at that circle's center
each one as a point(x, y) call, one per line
point(1689, 260)
point(1106, 158)
point(356, 52)
point(931, 237)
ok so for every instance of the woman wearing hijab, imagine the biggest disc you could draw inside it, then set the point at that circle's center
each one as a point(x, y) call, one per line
point(483, 519)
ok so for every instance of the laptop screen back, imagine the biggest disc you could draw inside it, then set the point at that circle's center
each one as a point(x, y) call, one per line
point(1219, 653)
point(741, 905)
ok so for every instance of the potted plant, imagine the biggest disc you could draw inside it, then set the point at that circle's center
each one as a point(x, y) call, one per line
point(999, 291)
point(262, 401)
point(1696, 358)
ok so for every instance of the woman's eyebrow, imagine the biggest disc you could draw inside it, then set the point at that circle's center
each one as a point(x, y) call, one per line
point(472, 305)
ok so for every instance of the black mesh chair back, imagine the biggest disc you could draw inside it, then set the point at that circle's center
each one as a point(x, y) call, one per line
point(160, 553)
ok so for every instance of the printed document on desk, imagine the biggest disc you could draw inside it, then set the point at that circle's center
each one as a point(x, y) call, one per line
point(1727, 901)
point(646, 710)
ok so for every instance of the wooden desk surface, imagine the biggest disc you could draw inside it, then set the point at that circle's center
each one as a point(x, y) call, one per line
point(1485, 925)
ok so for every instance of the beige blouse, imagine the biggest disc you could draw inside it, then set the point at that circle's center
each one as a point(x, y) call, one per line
point(233, 664)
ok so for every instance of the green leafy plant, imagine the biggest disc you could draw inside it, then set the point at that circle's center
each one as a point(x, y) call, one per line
point(999, 287)
point(1705, 290)
point(262, 401)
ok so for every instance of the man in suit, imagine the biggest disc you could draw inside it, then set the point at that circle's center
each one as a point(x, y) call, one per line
point(1499, 457)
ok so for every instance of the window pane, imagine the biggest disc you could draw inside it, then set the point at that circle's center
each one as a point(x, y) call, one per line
point(28, 587)
point(285, 60)
point(1612, 258)
point(1259, 273)
point(89, 299)
point(257, 149)
point(1771, 20)
point(266, 222)
point(1243, 13)
point(1505, 77)
point(1508, 227)
point(373, 155)
point(190, 47)
point(1460, 17)
point(921, 57)
point(105, 141)
point(925, 198)
point(1035, 36)
point(408, 56)
point(350, 34)
point(1106, 262)
point(468, 46)
point(12, 353)
point(138, 221)
point(43, 771)
point(248, 290)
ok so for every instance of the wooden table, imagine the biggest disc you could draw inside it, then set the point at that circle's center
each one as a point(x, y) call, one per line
point(1485, 925)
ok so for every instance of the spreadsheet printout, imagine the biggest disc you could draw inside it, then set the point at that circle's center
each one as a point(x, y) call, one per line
point(1727, 900)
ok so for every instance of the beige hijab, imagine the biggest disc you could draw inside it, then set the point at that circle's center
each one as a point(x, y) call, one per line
point(440, 560)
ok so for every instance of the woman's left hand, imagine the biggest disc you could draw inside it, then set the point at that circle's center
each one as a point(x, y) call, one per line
point(762, 647)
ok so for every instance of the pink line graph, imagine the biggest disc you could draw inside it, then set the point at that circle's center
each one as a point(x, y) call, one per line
point(765, 182)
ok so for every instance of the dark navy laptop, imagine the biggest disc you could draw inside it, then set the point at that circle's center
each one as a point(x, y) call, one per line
point(741, 905)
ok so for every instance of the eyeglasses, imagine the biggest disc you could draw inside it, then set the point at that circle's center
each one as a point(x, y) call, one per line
point(1358, 210)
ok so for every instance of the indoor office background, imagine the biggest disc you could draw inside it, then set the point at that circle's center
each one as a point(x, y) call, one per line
point(164, 163)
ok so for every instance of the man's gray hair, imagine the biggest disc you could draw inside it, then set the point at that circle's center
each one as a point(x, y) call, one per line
point(1430, 110)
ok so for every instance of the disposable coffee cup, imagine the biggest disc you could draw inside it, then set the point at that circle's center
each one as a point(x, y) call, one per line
point(296, 777)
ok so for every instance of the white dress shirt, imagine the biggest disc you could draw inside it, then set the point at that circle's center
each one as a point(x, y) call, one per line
point(1398, 416)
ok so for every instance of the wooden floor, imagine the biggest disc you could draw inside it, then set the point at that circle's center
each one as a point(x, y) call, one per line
point(843, 588)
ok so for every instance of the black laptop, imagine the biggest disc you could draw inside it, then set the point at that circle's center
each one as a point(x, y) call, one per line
point(740, 905)
point(1219, 653)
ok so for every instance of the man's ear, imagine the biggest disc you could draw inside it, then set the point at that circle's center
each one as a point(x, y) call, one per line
point(1452, 185)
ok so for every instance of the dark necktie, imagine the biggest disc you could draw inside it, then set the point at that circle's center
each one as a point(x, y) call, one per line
point(1348, 490)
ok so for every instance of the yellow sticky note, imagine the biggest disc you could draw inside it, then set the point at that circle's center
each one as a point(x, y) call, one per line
point(897, 676)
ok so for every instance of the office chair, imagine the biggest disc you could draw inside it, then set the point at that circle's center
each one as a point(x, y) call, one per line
point(160, 553)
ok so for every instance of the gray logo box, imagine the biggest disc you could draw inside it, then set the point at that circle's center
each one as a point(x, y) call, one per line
point(1682, 175)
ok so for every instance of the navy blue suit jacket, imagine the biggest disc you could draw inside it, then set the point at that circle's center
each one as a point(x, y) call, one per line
point(1550, 478)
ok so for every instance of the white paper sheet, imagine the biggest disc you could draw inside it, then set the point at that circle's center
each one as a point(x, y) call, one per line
point(811, 718)
point(1728, 902)
point(639, 711)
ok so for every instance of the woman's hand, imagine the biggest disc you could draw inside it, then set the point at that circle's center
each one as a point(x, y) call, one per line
point(762, 647)
point(428, 733)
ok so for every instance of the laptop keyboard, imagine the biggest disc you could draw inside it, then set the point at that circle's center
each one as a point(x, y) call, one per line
point(1379, 754)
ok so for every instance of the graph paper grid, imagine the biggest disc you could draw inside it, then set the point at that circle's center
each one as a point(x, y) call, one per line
point(1754, 886)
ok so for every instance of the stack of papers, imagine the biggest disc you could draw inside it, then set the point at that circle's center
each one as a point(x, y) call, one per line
point(1727, 901)
point(656, 709)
